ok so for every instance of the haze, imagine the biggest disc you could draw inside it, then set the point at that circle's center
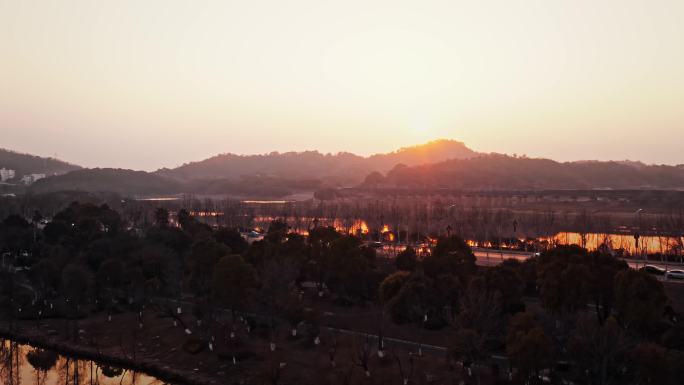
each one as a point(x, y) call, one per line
point(156, 83)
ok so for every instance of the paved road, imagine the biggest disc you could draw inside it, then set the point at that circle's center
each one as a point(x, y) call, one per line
point(492, 257)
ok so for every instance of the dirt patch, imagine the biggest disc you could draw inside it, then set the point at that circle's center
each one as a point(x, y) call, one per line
point(157, 348)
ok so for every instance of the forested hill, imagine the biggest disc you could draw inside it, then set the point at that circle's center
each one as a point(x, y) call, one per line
point(141, 183)
point(340, 168)
point(25, 164)
point(279, 175)
point(119, 181)
point(500, 172)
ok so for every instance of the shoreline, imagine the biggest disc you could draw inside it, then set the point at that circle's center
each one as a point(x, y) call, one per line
point(155, 368)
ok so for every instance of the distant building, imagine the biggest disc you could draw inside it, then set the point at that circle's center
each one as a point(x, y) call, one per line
point(6, 174)
point(31, 178)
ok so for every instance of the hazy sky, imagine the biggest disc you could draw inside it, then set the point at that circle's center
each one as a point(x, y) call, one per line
point(144, 84)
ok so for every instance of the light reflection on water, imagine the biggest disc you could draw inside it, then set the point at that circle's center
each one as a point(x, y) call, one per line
point(647, 244)
point(22, 364)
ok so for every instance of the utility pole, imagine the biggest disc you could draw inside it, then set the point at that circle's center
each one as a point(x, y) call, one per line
point(637, 234)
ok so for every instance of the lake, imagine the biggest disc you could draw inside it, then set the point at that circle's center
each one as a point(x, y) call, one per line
point(22, 364)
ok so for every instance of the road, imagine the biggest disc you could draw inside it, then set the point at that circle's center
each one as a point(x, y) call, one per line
point(493, 257)
point(489, 257)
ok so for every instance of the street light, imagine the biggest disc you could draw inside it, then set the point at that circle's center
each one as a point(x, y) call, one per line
point(636, 234)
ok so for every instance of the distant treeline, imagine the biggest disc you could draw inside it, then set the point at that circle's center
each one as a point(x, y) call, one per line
point(140, 183)
point(436, 165)
point(503, 172)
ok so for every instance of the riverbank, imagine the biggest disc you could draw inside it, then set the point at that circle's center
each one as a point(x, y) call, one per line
point(165, 374)
point(133, 351)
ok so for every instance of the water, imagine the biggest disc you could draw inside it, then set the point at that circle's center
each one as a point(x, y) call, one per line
point(646, 245)
point(22, 364)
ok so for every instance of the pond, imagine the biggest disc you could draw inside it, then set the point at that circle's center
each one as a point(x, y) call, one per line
point(22, 364)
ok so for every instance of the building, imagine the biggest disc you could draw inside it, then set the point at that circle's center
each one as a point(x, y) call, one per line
point(6, 174)
point(31, 178)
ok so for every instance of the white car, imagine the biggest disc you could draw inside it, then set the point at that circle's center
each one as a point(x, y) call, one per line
point(675, 274)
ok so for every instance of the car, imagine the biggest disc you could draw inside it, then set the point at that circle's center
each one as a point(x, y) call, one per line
point(675, 274)
point(377, 245)
point(655, 270)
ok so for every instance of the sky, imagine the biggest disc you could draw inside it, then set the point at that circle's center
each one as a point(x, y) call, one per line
point(145, 84)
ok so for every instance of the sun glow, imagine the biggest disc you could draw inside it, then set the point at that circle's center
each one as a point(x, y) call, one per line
point(358, 76)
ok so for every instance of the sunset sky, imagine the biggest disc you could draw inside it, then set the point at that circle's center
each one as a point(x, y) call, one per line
point(145, 84)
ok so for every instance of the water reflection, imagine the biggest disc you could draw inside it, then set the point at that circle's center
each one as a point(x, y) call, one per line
point(22, 364)
point(626, 242)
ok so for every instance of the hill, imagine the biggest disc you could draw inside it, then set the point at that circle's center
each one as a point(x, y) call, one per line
point(435, 165)
point(431, 152)
point(141, 183)
point(502, 172)
point(118, 181)
point(25, 164)
point(335, 169)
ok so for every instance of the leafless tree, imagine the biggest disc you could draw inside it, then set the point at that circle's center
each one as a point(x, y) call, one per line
point(406, 368)
point(362, 353)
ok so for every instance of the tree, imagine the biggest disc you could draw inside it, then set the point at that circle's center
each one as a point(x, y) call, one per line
point(652, 364)
point(406, 369)
point(171, 237)
point(41, 359)
point(673, 338)
point(204, 254)
point(232, 282)
point(450, 256)
point(293, 309)
point(478, 323)
point(504, 282)
point(86, 222)
point(563, 279)
point(277, 231)
point(374, 179)
point(350, 265)
point(57, 232)
point(76, 284)
point(391, 285)
point(639, 300)
point(445, 292)
point(295, 249)
point(109, 279)
point(407, 260)
point(276, 281)
point(232, 239)
point(602, 271)
point(596, 349)
point(528, 347)
point(45, 277)
point(184, 219)
point(16, 234)
point(570, 277)
point(410, 303)
point(161, 268)
point(480, 310)
point(320, 240)
point(195, 229)
point(467, 346)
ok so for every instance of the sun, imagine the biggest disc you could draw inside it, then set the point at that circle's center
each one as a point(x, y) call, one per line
point(420, 130)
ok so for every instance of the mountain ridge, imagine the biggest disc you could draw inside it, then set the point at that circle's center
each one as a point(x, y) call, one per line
point(24, 164)
point(342, 168)
point(504, 172)
point(438, 164)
